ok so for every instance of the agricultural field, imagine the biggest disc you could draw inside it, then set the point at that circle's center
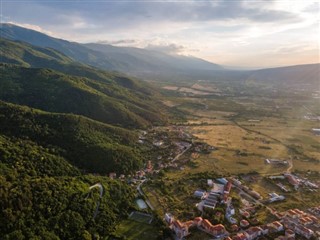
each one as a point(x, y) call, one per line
point(246, 126)
point(131, 230)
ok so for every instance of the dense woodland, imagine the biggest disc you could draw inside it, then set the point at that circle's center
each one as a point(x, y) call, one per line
point(65, 126)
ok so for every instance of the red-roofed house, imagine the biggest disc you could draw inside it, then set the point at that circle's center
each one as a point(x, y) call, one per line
point(180, 229)
point(215, 230)
point(290, 233)
point(275, 226)
point(197, 221)
point(292, 180)
point(264, 229)
point(244, 223)
point(227, 187)
point(234, 227)
point(306, 232)
point(253, 233)
point(240, 236)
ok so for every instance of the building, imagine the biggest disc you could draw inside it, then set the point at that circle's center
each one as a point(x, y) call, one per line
point(236, 182)
point(292, 180)
point(253, 233)
point(305, 221)
point(290, 233)
point(264, 229)
point(244, 213)
point(316, 131)
point(222, 180)
point(277, 177)
point(227, 187)
point(197, 221)
point(211, 200)
point(112, 175)
point(240, 236)
point(169, 218)
point(180, 229)
point(244, 223)
point(234, 228)
point(275, 197)
point(275, 226)
point(218, 188)
point(215, 230)
point(303, 231)
point(199, 193)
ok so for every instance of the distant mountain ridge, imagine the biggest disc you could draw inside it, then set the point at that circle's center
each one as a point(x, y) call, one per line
point(71, 87)
point(309, 73)
point(123, 59)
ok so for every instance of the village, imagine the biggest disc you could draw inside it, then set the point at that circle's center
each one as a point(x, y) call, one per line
point(286, 225)
point(231, 220)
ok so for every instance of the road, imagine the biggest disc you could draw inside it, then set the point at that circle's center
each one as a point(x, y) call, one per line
point(98, 185)
point(290, 166)
point(252, 198)
point(139, 189)
point(142, 194)
point(180, 154)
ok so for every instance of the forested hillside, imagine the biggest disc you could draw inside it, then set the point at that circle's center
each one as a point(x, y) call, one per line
point(91, 145)
point(65, 126)
point(54, 205)
point(74, 87)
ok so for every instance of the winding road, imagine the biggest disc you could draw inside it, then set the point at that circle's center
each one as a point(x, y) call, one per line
point(97, 185)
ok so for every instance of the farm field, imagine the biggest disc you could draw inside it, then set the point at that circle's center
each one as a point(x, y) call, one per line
point(248, 129)
point(244, 129)
point(132, 230)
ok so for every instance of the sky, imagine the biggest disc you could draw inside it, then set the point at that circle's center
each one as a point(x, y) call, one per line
point(239, 33)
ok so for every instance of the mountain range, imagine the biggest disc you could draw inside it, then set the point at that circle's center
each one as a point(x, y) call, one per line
point(46, 79)
point(70, 114)
point(123, 59)
point(150, 64)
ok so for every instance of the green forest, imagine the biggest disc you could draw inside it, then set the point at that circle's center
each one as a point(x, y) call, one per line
point(64, 126)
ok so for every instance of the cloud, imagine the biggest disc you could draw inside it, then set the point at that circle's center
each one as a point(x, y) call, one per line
point(167, 48)
point(32, 27)
point(221, 29)
point(121, 42)
point(120, 14)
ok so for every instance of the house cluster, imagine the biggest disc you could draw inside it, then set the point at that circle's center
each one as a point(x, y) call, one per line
point(181, 229)
point(282, 187)
point(274, 197)
point(252, 193)
point(257, 231)
point(219, 193)
point(315, 211)
point(295, 181)
point(300, 222)
point(316, 131)
point(311, 117)
point(276, 162)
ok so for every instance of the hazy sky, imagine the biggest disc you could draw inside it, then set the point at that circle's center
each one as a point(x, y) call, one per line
point(230, 32)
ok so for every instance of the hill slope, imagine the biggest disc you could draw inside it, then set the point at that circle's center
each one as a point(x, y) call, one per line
point(56, 92)
point(308, 73)
point(87, 144)
point(107, 97)
point(43, 193)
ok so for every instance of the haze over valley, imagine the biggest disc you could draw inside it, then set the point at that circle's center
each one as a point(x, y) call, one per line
point(159, 120)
